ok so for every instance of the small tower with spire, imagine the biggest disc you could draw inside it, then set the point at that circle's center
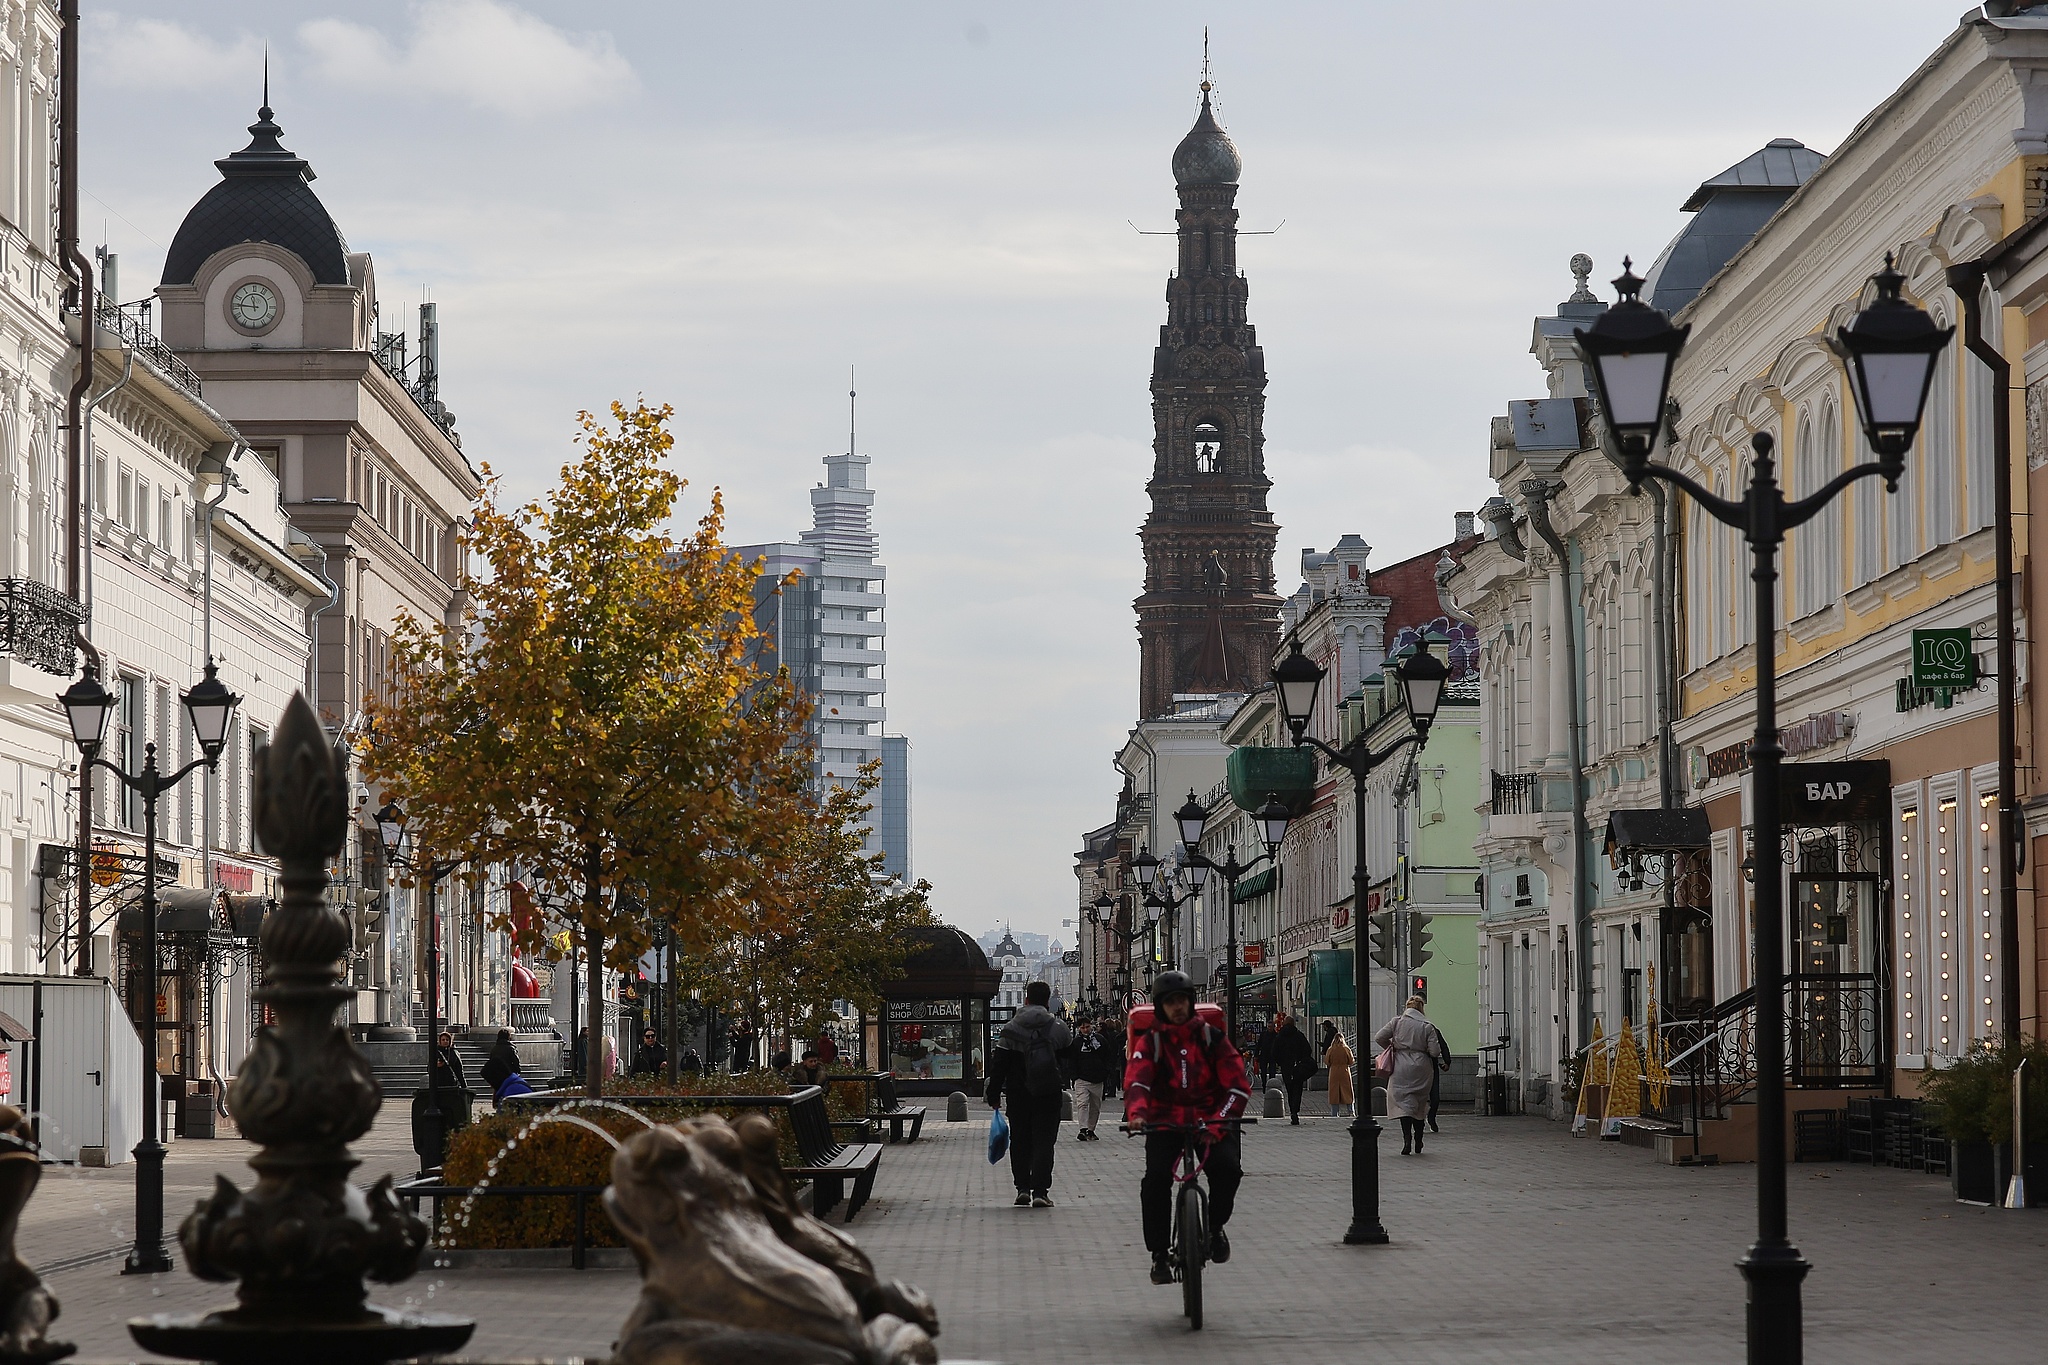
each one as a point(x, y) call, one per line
point(1208, 619)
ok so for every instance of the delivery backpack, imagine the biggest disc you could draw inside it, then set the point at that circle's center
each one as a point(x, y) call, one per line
point(1142, 1016)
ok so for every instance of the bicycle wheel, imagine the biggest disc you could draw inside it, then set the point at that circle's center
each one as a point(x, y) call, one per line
point(1194, 1249)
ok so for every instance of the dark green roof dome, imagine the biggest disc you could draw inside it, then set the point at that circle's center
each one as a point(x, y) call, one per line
point(1206, 156)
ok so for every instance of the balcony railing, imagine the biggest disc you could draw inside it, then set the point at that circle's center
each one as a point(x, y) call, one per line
point(41, 625)
point(1517, 794)
point(133, 329)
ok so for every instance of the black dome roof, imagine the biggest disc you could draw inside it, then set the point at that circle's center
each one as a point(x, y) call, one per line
point(943, 961)
point(1206, 156)
point(263, 196)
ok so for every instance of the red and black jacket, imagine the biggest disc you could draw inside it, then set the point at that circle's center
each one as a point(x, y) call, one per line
point(1184, 1073)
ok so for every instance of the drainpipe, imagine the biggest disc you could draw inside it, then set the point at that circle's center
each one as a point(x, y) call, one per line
point(313, 615)
point(74, 399)
point(1968, 282)
point(1539, 492)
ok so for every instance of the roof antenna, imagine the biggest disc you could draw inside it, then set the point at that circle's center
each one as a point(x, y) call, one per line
point(849, 410)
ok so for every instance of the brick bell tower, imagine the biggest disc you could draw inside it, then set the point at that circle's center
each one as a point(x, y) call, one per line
point(1209, 617)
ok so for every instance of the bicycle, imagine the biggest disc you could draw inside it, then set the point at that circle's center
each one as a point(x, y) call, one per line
point(1190, 1248)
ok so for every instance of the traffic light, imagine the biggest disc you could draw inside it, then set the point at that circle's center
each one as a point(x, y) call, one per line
point(1382, 926)
point(1419, 985)
point(1418, 937)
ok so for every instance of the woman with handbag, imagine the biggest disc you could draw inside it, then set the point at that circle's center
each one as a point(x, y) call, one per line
point(1407, 1061)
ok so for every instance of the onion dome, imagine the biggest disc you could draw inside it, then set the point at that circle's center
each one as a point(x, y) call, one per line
point(263, 196)
point(1206, 156)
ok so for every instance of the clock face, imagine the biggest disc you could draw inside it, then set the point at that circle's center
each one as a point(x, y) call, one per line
point(254, 306)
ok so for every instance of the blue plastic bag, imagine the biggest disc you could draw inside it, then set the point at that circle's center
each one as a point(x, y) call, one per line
point(998, 1137)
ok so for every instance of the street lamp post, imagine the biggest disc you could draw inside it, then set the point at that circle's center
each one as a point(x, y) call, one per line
point(1273, 818)
point(391, 831)
point(1104, 913)
point(1889, 349)
point(1422, 677)
point(87, 705)
point(1167, 892)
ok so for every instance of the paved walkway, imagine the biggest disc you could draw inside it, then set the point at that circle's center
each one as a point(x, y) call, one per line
point(1513, 1242)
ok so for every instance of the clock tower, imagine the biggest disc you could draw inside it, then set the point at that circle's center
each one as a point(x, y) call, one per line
point(1209, 618)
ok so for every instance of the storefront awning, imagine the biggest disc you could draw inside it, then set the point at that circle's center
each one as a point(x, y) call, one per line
point(1255, 886)
point(1656, 831)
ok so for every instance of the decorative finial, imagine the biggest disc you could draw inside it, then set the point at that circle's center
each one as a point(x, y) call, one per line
point(1627, 284)
point(1582, 270)
point(264, 112)
point(1206, 87)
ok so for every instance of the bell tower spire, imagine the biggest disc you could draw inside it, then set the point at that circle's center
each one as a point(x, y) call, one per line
point(1209, 617)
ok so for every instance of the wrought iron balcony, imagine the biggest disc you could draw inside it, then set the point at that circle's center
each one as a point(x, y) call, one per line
point(133, 329)
point(1517, 794)
point(42, 626)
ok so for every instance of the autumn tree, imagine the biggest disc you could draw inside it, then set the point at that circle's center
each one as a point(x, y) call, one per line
point(842, 936)
point(597, 721)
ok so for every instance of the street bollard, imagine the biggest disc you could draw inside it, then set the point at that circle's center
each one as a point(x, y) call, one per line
point(956, 1107)
point(1276, 1103)
point(1379, 1101)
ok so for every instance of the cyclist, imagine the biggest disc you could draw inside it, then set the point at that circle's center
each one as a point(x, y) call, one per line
point(1184, 1071)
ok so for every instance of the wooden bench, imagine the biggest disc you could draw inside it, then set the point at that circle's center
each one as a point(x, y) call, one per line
point(887, 1107)
point(824, 1160)
point(827, 1162)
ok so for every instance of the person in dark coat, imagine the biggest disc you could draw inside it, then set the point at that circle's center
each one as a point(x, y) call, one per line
point(579, 1055)
point(1113, 1040)
point(450, 1082)
point(502, 1063)
point(691, 1063)
point(1089, 1059)
point(744, 1056)
point(1436, 1082)
point(1033, 1093)
point(1289, 1057)
point(651, 1057)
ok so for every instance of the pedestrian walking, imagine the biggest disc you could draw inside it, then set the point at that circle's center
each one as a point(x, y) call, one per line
point(743, 1052)
point(1113, 1039)
point(450, 1083)
point(1412, 1040)
point(1090, 1059)
point(579, 1055)
point(1025, 1069)
point(1436, 1079)
point(691, 1063)
point(1289, 1057)
point(1337, 1059)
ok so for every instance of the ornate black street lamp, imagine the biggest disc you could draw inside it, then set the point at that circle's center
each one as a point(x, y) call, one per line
point(1103, 912)
point(1192, 817)
point(1421, 677)
point(1166, 892)
point(391, 832)
point(1890, 349)
point(209, 705)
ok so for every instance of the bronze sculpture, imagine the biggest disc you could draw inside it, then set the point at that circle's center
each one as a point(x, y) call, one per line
point(733, 1269)
point(26, 1308)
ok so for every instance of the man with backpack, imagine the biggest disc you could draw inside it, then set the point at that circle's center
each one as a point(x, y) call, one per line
point(1025, 1068)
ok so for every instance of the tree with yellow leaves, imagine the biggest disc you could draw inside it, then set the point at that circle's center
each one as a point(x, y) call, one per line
point(842, 936)
point(597, 722)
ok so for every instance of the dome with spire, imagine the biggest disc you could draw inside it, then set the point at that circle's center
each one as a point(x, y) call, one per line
point(263, 196)
point(1206, 156)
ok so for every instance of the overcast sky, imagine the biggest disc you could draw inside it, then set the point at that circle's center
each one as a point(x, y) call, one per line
point(723, 206)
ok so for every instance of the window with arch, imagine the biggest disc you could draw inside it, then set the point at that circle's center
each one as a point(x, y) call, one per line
point(1806, 476)
point(1208, 448)
point(1869, 521)
point(1700, 599)
point(1744, 602)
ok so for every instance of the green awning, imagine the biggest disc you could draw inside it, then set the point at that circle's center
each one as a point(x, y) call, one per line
point(1255, 886)
point(1256, 773)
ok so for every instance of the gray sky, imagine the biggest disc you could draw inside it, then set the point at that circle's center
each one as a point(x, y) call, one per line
point(722, 206)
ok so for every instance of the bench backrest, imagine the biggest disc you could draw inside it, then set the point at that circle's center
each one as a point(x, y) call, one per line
point(885, 1093)
point(807, 1114)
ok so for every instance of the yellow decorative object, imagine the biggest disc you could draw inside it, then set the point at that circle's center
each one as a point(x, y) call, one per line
point(1656, 1067)
point(1625, 1089)
point(1594, 1073)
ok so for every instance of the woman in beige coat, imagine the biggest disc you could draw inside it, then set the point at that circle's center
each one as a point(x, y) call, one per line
point(1337, 1057)
point(1413, 1040)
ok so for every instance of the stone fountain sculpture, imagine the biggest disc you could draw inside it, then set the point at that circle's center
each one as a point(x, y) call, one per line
point(303, 1238)
point(735, 1272)
point(26, 1308)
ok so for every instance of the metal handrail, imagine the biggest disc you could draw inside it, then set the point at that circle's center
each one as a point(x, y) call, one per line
point(137, 337)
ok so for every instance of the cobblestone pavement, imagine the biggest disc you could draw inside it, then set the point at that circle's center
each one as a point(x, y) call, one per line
point(1513, 1241)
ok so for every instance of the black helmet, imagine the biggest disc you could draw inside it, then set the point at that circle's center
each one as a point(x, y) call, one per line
point(1168, 984)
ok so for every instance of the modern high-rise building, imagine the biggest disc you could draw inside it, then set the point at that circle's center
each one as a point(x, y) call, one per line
point(828, 628)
